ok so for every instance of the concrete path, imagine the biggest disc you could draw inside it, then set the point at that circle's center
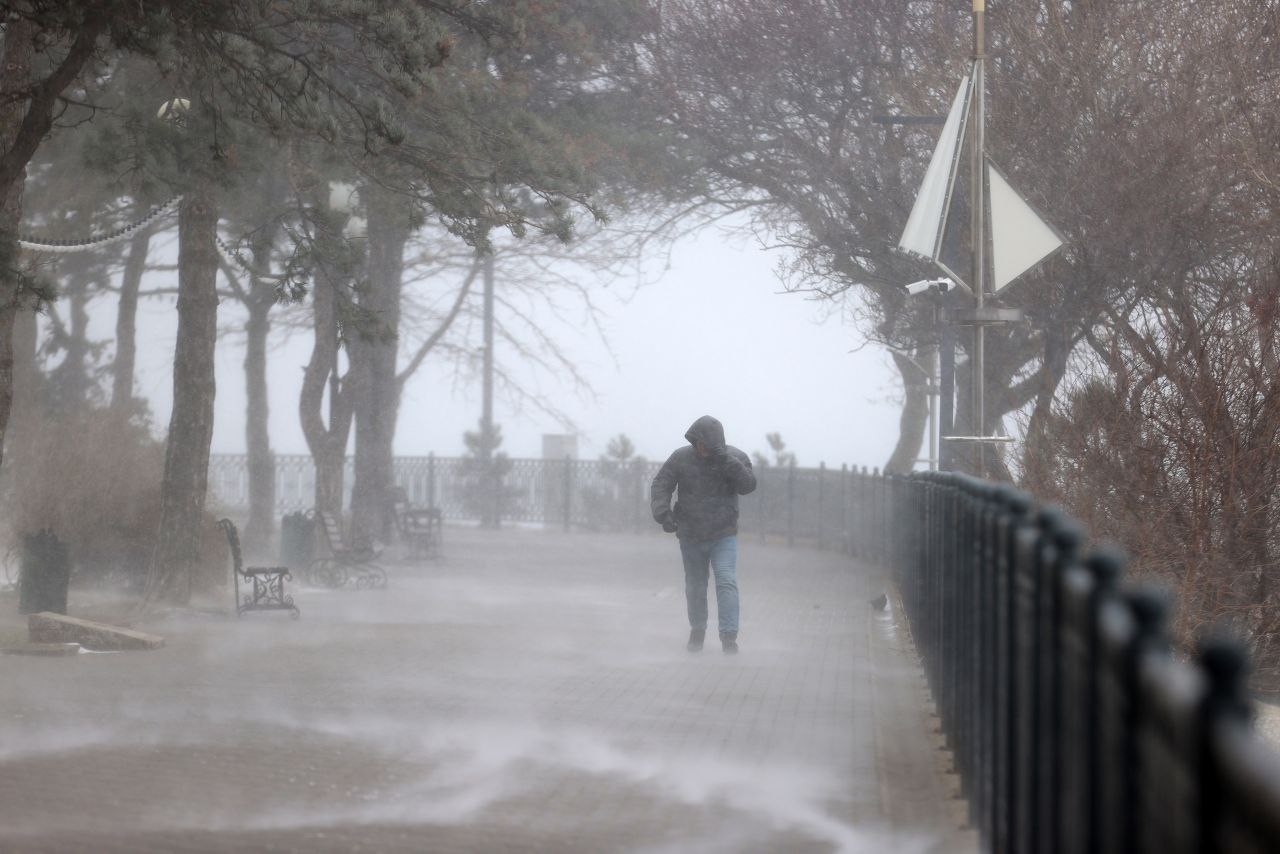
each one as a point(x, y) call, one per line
point(528, 692)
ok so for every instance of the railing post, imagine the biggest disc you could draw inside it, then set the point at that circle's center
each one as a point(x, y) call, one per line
point(791, 504)
point(431, 480)
point(1129, 624)
point(1063, 541)
point(1083, 588)
point(877, 513)
point(1006, 688)
point(822, 479)
point(846, 544)
point(858, 498)
point(568, 493)
point(1149, 609)
point(1226, 699)
point(1024, 656)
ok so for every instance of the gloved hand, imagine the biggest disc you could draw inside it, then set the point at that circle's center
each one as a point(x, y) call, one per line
point(669, 524)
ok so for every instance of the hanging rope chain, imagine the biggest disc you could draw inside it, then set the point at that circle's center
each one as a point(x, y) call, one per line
point(234, 256)
point(38, 244)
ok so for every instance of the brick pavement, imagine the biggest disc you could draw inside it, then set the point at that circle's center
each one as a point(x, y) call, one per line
point(530, 691)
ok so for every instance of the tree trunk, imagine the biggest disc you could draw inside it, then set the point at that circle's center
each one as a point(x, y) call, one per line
point(71, 378)
point(330, 462)
point(122, 366)
point(186, 465)
point(15, 77)
point(26, 374)
point(915, 416)
point(259, 300)
point(373, 357)
point(262, 466)
point(328, 444)
point(1037, 453)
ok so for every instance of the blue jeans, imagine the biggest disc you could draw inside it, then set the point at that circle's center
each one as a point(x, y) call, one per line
point(722, 557)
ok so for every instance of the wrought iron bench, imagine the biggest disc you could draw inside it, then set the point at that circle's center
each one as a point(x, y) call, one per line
point(419, 528)
point(267, 582)
point(345, 562)
point(423, 529)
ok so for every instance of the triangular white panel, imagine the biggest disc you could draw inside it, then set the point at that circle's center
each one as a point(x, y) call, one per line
point(1020, 239)
point(923, 229)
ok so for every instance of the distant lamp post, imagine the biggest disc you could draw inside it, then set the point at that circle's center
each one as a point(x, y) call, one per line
point(492, 510)
point(493, 489)
point(941, 371)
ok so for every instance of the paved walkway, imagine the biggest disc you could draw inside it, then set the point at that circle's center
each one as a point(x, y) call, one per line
point(529, 692)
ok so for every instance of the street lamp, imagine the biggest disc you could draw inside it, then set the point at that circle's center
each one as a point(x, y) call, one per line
point(537, 208)
point(1005, 238)
point(941, 372)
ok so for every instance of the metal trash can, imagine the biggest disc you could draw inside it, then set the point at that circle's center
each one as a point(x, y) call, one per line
point(297, 540)
point(44, 575)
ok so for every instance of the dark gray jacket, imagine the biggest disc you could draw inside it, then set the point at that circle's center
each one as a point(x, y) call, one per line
point(707, 504)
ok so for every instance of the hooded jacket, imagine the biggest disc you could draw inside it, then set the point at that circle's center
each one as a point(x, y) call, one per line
point(708, 487)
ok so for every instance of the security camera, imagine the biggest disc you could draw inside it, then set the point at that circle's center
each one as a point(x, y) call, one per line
point(925, 285)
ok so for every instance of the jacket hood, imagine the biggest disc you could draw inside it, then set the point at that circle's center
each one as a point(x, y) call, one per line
point(707, 430)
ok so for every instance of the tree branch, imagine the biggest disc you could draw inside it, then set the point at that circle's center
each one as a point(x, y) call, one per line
point(440, 330)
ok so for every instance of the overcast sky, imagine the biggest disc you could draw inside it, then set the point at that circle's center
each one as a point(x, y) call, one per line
point(710, 335)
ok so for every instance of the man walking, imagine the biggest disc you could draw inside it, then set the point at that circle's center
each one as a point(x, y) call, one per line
point(709, 476)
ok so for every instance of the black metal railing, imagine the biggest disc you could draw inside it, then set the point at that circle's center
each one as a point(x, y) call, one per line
point(806, 506)
point(1074, 725)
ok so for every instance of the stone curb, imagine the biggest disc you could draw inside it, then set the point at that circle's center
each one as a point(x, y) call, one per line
point(50, 628)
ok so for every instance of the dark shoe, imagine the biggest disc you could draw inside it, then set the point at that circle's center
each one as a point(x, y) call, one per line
point(696, 637)
point(729, 643)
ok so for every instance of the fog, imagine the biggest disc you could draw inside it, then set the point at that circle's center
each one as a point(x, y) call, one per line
point(705, 329)
point(524, 690)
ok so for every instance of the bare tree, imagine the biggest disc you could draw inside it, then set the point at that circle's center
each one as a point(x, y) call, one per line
point(1164, 433)
point(1096, 110)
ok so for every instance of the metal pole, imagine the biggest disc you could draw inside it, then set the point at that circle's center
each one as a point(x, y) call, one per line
point(487, 412)
point(791, 504)
point(822, 477)
point(490, 513)
point(947, 382)
point(935, 393)
point(977, 229)
point(431, 479)
point(844, 508)
point(568, 493)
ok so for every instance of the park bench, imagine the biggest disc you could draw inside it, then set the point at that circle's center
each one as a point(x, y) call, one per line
point(423, 530)
point(345, 562)
point(420, 528)
point(266, 582)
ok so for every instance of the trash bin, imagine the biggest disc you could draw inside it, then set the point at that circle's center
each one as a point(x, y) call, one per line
point(44, 574)
point(297, 540)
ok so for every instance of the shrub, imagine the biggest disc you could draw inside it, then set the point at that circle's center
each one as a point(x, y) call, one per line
point(92, 476)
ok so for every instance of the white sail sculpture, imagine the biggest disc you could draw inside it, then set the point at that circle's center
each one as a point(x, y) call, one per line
point(1020, 238)
point(923, 234)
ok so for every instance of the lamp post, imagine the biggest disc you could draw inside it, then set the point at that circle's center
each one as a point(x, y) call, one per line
point(977, 229)
point(1006, 236)
point(491, 517)
point(940, 375)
